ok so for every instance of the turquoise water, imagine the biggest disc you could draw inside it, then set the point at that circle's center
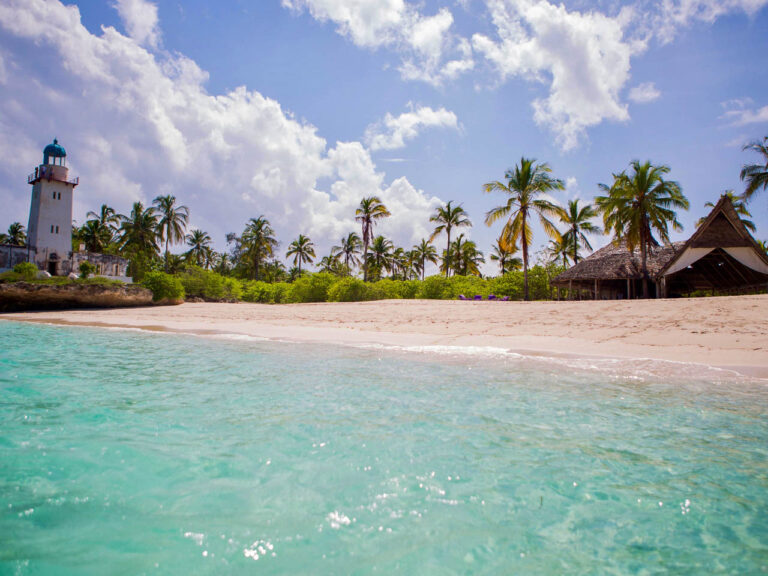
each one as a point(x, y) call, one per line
point(137, 453)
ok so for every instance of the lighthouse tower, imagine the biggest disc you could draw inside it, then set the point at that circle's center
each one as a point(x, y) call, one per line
point(50, 215)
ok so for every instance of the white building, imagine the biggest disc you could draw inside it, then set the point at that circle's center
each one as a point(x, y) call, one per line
point(49, 233)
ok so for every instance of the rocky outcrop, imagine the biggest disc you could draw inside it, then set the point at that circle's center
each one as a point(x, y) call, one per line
point(18, 296)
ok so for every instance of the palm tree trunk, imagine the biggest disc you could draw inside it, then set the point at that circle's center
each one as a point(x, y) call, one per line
point(524, 244)
point(448, 253)
point(644, 266)
point(575, 247)
point(166, 254)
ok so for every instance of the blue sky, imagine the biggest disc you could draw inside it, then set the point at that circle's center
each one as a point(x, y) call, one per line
point(296, 109)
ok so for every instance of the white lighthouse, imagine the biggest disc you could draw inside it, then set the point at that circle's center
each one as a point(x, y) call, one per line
point(50, 215)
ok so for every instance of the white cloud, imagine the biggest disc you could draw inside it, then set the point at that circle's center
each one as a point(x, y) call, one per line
point(140, 19)
point(741, 111)
point(583, 56)
point(643, 93)
point(393, 132)
point(139, 124)
point(424, 42)
point(675, 14)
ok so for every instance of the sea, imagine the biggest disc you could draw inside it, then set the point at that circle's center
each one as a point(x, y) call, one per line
point(130, 452)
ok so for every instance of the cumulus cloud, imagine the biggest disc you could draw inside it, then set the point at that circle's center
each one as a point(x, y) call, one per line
point(643, 93)
point(742, 111)
point(139, 124)
point(393, 131)
point(584, 58)
point(140, 20)
point(675, 14)
point(429, 50)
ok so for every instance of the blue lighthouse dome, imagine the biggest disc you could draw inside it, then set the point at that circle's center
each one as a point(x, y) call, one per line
point(54, 150)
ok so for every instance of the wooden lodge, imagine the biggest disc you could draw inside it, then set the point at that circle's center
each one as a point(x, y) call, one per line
point(720, 257)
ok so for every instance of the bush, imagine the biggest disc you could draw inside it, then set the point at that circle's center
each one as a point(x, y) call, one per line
point(348, 290)
point(86, 269)
point(258, 291)
point(164, 287)
point(209, 285)
point(26, 270)
point(509, 285)
point(433, 288)
point(311, 288)
point(469, 286)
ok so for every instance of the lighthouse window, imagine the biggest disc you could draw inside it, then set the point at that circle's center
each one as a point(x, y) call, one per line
point(54, 196)
point(58, 196)
point(51, 229)
point(57, 229)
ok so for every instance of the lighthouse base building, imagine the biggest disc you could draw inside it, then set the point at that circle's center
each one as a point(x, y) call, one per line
point(49, 232)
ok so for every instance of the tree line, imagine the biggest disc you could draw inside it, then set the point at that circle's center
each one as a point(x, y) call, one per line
point(637, 208)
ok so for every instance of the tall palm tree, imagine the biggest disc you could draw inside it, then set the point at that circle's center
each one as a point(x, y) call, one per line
point(173, 221)
point(199, 243)
point(466, 257)
point(526, 188)
point(370, 210)
point(17, 235)
point(137, 238)
point(639, 203)
point(424, 252)
point(756, 175)
point(302, 249)
point(739, 205)
point(380, 257)
point(505, 257)
point(258, 242)
point(447, 218)
point(560, 250)
point(349, 249)
point(577, 220)
point(108, 219)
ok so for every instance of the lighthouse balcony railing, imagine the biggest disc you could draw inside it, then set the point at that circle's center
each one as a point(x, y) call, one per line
point(35, 176)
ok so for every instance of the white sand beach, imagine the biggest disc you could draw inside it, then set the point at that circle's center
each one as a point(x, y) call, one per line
point(725, 332)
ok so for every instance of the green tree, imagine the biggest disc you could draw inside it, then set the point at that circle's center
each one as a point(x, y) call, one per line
point(370, 210)
point(739, 206)
point(200, 250)
point(577, 220)
point(258, 242)
point(526, 187)
point(466, 257)
point(302, 249)
point(558, 251)
point(137, 238)
point(424, 252)
point(505, 257)
point(638, 203)
point(109, 222)
point(95, 236)
point(380, 257)
point(349, 249)
point(172, 223)
point(17, 235)
point(447, 218)
point(756, 175)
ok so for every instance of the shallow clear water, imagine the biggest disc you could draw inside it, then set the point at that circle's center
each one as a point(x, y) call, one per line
point(136, 453)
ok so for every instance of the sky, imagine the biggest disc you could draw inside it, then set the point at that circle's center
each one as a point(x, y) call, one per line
point(297, 109)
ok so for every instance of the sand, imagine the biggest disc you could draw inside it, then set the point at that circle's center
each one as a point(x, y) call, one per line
point(729, 332)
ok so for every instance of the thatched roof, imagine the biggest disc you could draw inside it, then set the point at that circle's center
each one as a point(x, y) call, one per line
point(616, 262)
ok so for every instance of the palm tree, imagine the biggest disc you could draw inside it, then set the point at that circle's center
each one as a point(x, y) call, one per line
point(258, 242)
point(636, 204)
point(560, 250)
point(380, 257)
point(17, 235)
point(371, 209)
point(302, 249)
point(506, 257)
point(466, 257)
point(107, 218)
point(349, 248)
point(399, 263)
point(424, 252)
point(739, 206)
point(173, 221)
point(577, 220)
point(3, 238)
point(199, 243)
point(447, 218)
point(527, 184)
point(756, 175)
point(94, 235)
point(138, 238)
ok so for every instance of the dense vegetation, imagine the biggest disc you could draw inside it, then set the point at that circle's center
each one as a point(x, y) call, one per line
point(637, 209)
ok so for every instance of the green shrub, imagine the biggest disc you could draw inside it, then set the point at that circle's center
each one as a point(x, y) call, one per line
point(311, 288)
point(209, 285)
point(469, 286)
point(26, 270)
point(86, 269)
point(385, 289)
point(264, 292)
point(509, 285)
point(164, 286)
point(348, 290)
point(433, 288)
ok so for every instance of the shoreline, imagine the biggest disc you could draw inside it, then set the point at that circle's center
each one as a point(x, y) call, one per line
point(729, 333)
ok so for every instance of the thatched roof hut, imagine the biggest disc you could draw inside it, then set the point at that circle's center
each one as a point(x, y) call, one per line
point(721, 255)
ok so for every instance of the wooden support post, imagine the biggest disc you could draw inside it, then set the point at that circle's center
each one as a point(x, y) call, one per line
point(595, 288)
